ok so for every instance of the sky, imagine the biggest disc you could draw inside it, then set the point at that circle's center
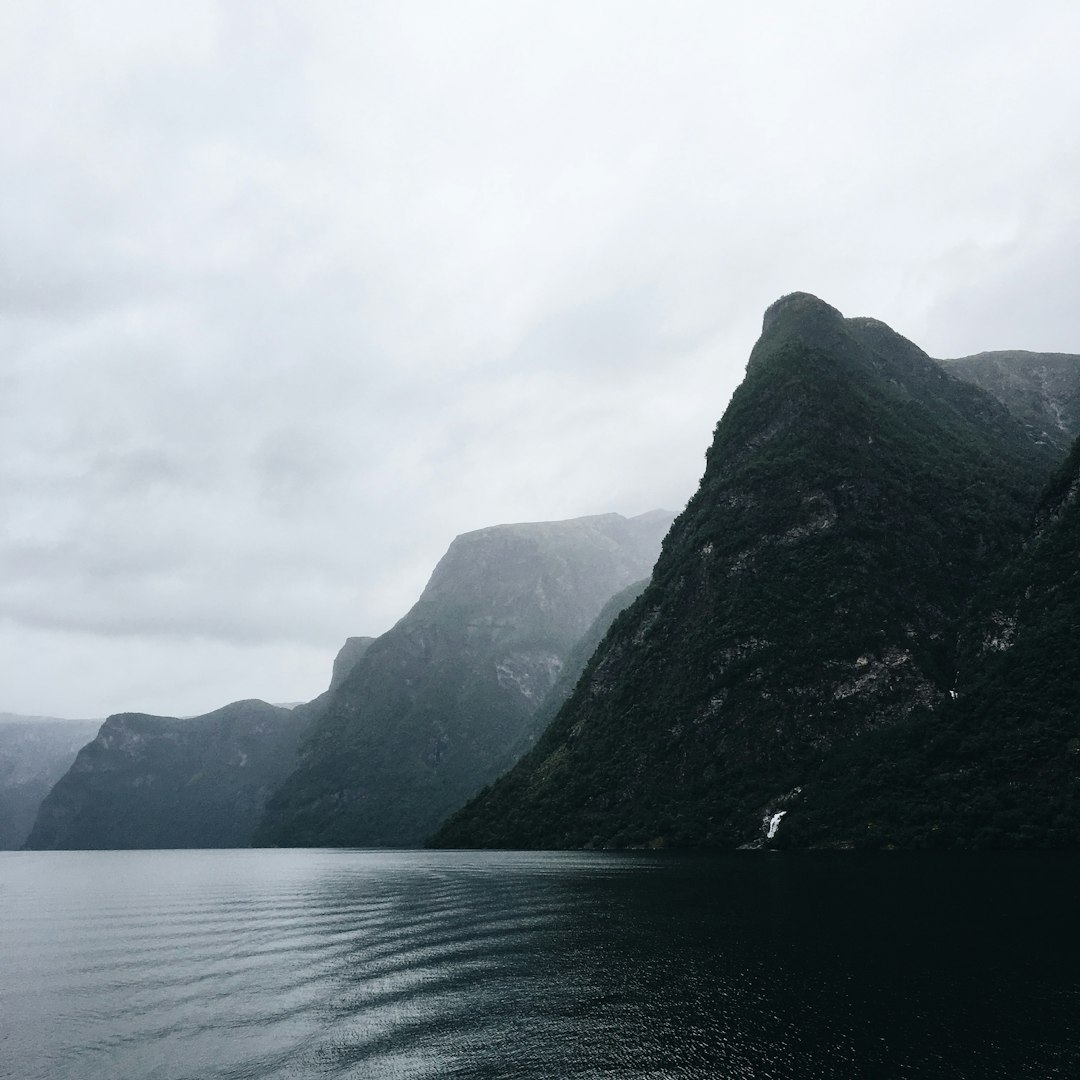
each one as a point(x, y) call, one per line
point(291, 294)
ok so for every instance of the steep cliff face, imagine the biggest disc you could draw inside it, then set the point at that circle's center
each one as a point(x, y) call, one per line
point(442, 703)
point(855, 496)
point(347, 657)
point(162, 782)
point(35, 751)
point(1042, 390)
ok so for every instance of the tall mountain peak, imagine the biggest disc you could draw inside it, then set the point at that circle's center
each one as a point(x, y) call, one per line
point(797, 307)
point(855, 496)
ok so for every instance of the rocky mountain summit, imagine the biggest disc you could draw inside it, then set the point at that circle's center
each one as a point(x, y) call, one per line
point(448, 698)
point(815, 592)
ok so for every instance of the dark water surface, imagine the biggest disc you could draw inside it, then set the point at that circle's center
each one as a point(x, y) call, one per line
point(210, 964)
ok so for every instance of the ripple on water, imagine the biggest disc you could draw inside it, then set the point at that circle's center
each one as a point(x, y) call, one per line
point(279, 964)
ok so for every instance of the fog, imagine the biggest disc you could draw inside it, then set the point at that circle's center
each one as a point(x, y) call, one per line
point(292, 294)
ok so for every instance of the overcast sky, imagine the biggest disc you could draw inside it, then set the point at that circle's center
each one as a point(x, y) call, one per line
point(291, 294)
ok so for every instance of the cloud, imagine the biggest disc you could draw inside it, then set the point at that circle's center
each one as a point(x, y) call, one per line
point(292, 294)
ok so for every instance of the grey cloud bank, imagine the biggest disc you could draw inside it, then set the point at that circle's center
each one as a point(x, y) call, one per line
point(291, 295)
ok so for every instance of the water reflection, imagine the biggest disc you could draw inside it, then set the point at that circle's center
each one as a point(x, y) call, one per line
point(439, 964)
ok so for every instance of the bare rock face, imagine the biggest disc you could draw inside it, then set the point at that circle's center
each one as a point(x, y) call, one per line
point(444, 702)
point(856, 495)
point(164, 782)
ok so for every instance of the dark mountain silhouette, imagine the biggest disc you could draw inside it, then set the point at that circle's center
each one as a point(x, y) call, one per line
point(998, 764)
point(856, 497)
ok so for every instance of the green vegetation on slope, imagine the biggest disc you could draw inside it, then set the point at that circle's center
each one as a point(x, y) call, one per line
point(164, 782)
point(449, 698)
point(1000, 765)
point(855, 496)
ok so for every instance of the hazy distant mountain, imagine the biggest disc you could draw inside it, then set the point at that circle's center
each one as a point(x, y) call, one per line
point(855, 498)
point(446, 700)
point(163, 782)
point(353, 649)
point(1042, 390)
point(35, 751)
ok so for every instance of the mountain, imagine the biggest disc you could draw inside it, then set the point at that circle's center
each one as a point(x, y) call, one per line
point(35, 751)
point(577, 658)
point(167, 782)
point(999, 764)
point(1042, 390)
point(447, 699)
point(353, 649)
point(855, 497)
point(164, 782)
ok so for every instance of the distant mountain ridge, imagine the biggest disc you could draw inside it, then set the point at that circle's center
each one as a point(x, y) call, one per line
point(856, 497)
point(346, 659)
point(164, 782)
point(446, 700)
point(35, 751)
point(859, 633)
point(143, 781)
point(1042, 390)
point(474, 660)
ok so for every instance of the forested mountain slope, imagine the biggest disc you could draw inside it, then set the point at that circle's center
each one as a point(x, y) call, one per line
point(165, 782)
point(447, 699)
point(855, 497)
point(998, 765)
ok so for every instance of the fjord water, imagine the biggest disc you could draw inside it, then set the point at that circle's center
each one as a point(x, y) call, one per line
point(162, 965)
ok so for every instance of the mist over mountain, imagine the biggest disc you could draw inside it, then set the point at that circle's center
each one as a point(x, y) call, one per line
point(146, 781)
point(447, 699)
point(1042, 390)
point(165, 782)
point(815, 592)
point(852, 638)
point(349, 653)
point(35, 751)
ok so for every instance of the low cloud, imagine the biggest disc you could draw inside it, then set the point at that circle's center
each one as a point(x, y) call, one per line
point(292, 295)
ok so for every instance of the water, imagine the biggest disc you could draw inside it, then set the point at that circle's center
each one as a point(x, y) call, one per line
point(378, 965)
